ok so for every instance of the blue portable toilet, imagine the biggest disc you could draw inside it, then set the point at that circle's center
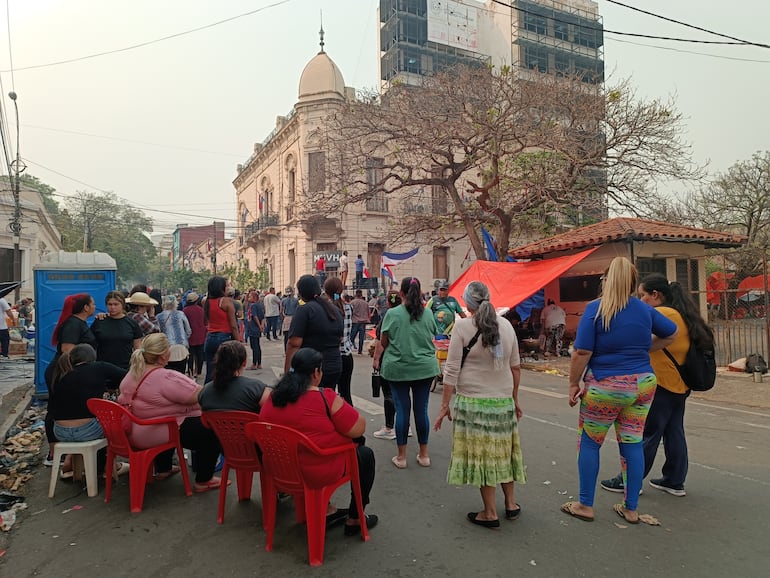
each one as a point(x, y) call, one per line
point(65, 273)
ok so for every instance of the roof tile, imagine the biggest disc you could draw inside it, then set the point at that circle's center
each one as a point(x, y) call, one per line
point(627, 228)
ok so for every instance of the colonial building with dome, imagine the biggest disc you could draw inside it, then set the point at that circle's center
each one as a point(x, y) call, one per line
point(275, 187)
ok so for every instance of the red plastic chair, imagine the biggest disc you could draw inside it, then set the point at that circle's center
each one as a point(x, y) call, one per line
point(239, 451)
point(281, 471)
point(113, 418)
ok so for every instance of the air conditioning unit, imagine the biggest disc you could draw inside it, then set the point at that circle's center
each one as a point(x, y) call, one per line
point(438, 282)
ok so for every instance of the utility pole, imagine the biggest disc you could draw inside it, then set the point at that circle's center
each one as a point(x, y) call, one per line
point(214, 256)
point(18, 168)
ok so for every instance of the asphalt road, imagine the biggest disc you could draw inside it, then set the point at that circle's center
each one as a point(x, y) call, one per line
point(720, 529)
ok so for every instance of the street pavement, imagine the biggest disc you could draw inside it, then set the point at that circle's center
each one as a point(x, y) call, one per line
point(719, 529)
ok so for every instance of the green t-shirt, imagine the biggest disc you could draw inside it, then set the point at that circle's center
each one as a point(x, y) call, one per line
point(410, 354)
point(444, 313)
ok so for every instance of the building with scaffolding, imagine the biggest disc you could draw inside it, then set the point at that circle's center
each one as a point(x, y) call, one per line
point(420, 37)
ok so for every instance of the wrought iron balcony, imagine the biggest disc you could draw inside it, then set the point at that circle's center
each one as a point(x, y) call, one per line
point(268, 220)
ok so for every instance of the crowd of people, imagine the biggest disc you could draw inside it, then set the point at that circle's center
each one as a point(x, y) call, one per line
point(149, 354)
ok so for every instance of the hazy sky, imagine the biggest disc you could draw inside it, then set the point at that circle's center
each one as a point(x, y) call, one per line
point(164, 125)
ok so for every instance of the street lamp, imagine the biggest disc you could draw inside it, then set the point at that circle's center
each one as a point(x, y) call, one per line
point(18, 168)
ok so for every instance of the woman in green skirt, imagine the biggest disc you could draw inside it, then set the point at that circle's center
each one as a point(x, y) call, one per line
point(483, 367)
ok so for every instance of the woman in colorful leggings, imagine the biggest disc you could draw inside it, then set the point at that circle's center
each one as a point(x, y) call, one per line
point(611, 356)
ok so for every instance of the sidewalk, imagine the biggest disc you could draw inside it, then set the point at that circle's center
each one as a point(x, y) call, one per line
point(731, 387)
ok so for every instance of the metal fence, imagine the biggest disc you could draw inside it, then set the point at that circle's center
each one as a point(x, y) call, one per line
point(740, 323)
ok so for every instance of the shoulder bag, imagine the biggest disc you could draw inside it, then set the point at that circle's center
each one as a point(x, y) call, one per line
point(467, 348)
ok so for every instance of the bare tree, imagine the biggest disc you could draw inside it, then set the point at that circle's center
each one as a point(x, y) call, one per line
point(476, 147)
point(738, 201)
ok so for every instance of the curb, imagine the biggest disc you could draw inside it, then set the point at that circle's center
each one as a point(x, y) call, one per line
point(16, 413)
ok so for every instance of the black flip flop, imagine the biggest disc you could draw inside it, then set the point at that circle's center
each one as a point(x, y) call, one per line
point(513, 514)
point(336, 517)
point(484, 523)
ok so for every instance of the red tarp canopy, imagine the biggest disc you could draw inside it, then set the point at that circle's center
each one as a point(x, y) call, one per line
point(511, 283)
point(716, 284)
point(756, 284)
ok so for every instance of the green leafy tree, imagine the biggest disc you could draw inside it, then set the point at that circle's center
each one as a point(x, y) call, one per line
point(102, 222)
point(242, 278)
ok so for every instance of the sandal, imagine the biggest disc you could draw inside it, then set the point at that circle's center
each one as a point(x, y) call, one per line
point(212, 484)
point(620, 511)
point(424, 461)
point(491, 524)
point(567, 508)
point(339, 515)
point(66, 475)
point(513, 514)
point(399, 463)
point(160, 476)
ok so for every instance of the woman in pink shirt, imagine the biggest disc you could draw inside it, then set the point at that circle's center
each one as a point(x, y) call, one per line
point(150, 391)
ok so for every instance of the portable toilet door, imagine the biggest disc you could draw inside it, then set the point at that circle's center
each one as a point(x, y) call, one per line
point(64, 274)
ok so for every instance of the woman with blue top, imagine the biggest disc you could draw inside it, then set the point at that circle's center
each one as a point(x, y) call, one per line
point(409, 365)
point(612, 357)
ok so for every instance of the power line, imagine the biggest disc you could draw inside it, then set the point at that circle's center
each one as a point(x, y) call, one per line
point(123, 199)
point(149, 42)
point(693, 26)
point(672, 49)
point(129, 140)
point(634, 34)
point(10, 51)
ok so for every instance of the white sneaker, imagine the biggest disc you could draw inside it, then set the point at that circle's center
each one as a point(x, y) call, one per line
point(410, 431)
point(385, 433)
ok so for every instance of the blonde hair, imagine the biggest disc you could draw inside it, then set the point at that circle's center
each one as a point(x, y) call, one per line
point(620, 281)
point(154, 346)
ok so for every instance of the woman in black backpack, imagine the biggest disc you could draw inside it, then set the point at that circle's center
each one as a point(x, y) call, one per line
point(666, 417)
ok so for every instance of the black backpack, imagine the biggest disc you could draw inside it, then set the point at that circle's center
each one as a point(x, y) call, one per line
point(699, 371)
point(755, 363)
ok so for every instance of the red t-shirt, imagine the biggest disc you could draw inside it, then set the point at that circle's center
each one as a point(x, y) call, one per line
point(219, 320)
point(308, 415)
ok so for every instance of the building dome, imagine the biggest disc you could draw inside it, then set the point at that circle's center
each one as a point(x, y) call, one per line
point(321, 79)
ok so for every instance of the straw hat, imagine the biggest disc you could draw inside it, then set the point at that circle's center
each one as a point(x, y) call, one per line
point(140, 298)
point(192, 297)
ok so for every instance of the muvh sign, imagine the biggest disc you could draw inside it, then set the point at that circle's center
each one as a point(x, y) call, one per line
point(332, 258)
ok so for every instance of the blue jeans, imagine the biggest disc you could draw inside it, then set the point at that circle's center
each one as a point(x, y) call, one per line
point(82, 433)
point(666, 420)
point(420, 391)
point(272, 326)
point(358, 329)
point(213, 341)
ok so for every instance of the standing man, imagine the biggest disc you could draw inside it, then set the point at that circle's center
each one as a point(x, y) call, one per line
point(5, 336)
point(272, 314)
point(289, 305)
point(320, 269)
point(554, 321)
point(344, 269)
point(444, 308)
point(359, 318)
point(359, 271)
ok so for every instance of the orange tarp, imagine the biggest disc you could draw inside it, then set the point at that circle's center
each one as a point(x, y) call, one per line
point(511, 283)
point(756, 284)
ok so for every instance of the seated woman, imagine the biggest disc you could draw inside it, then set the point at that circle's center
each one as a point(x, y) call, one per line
point(324, 417)
point(230, 391)
point(76, 378)
point(151, 391)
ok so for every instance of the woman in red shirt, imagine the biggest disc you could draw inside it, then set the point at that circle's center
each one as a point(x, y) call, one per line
point(219, 315)
point(323, 416)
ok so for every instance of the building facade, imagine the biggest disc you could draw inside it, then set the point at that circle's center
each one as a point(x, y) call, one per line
point(420, 37)
point(39, 236)
point(277, 227)
point(186, 240)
